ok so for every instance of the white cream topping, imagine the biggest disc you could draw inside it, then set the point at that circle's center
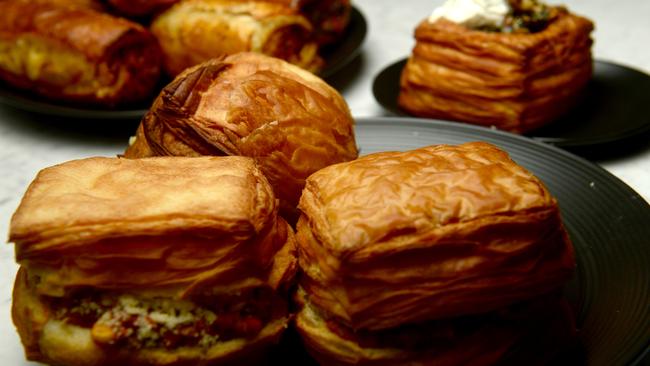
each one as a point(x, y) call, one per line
point(473, 13)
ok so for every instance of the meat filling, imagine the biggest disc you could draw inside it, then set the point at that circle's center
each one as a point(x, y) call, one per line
point(137, 322)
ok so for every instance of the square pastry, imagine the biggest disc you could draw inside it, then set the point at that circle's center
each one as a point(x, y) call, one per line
point(516, 79)
point(396, 238)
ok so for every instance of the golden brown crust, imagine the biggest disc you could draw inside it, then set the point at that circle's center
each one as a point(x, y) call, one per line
point(194, 31)
point(516, 82)
point(86, 4)
point(249, 104)
point(328, 17)
point(76, 54)
point(441, 231)
point(183, 223)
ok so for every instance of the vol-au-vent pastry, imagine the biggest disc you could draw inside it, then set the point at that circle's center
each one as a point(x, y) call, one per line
point(250, 104)
point(194, 31)
point(516, 64)
point(75, 54)
point(393, 240)
point(159, 261)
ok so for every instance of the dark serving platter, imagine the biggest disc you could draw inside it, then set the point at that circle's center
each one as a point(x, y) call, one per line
point(613, 107)
point(609, 225)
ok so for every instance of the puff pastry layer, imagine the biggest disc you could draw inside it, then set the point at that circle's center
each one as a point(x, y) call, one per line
point(516, 82)
point(171, 233)
point(542, 327)
point(194, 31)
point(76, 54)
point(249, 104)
point(403, 237)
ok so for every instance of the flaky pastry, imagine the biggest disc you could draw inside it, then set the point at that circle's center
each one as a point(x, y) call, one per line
point(403, 237)
point(516, 82)
point(249, 104)
point(76, 54)
point(159, 261)
point(194, 31)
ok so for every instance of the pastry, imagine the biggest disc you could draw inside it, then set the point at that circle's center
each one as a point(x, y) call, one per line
point(395, 239)
point(194, 31)
point(514, 65)
point(75, 54)
point(249, 104)
point(328, 17)
point(160, 261)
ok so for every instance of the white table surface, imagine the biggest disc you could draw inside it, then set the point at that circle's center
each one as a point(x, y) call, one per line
point(29, 143)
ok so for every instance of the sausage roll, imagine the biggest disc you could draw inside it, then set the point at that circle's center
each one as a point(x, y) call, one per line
point(87, 4)
point(329, 17)
point(194, 31)
point(75, 54)
point(514, 79)
point(139, 8)
point(160, 261)
point(249, 104)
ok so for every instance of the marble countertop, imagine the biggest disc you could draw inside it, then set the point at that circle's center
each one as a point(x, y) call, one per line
point(30, 142)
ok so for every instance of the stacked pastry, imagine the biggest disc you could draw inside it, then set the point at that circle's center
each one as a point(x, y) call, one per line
point(445, 255)
point(250, 104)
point(76, 54)
point(194, 31)
point(161, 261)
point(515, 66)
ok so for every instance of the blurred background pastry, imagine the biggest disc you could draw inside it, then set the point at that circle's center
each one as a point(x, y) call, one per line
point(76, 55)
point(250, 104)
point(328, 17)
point(194, 31)
point(515, 65)
point(160, 261)
point(414, 256)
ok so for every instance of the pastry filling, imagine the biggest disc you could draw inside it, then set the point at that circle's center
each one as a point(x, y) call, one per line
point(503, 16)
point(138, 322)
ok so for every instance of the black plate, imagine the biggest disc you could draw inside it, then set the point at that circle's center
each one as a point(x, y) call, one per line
point(341, 53)
point(614, 106)
point(336, 56)
point(607, 221)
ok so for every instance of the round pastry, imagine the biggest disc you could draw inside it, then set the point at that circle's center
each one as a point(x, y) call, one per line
point(75, 54)
point(514, 65)
point(194, 31)
point(160, 261)
point(249, 104)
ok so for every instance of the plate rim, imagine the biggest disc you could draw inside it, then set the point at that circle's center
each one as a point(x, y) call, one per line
point(557, 141)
